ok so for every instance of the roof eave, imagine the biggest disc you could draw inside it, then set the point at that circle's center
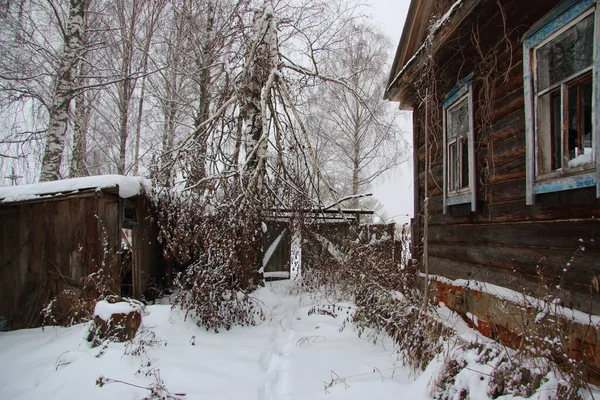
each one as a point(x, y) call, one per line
point(402, 77)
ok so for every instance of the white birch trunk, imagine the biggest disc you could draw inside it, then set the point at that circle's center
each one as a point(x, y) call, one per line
point(63, 92)
point(78, 166)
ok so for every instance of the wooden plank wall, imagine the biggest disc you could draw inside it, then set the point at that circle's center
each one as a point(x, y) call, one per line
point(148, 264)
point(49, 246)
point(537, 248)
point(10, 251)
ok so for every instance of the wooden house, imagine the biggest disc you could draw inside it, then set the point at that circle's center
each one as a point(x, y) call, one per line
point(506, 129)
point(53, 234)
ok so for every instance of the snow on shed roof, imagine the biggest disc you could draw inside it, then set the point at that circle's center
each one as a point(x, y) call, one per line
point(128, 187)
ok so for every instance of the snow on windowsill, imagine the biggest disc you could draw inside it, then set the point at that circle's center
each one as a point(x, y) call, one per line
point(128, 187)
point(581, 159)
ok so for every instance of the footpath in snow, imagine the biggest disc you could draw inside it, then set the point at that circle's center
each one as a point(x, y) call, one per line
point(293, 354)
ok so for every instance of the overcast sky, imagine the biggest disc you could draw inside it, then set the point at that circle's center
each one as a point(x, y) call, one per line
point(389, 15)
point(395, 189)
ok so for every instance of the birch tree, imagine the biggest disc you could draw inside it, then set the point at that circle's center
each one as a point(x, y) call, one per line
point(361, 136)
point(82, 112)
point(58, 111)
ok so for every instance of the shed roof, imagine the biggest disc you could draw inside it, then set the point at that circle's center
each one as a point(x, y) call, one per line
point(127, 186)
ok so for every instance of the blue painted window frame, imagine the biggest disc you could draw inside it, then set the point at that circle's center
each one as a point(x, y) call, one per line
point(557, 20)
point(461, 91)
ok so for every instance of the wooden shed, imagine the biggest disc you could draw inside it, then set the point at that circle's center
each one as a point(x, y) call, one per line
point(56, 233)
point(506, 114)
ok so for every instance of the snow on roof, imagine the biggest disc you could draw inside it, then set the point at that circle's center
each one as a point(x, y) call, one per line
point(128, 187)
point(446, 17)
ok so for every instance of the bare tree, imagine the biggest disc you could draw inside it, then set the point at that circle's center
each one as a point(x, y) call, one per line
point(260, 110)
point(151, 25)
point(41, 47)
point(28, 63)
point(359, 131)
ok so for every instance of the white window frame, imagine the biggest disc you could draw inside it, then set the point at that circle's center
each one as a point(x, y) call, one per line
point(563, 17)
point(461, 92)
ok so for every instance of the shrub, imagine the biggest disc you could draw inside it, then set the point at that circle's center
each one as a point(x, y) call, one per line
point(218, 247)
point(70, 308)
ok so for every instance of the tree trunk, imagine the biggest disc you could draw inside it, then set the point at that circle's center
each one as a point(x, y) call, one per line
point(80, 124)
point(252, 97)
point(157, 9)
point(63, 92)
point(356, 156)
point(204, 66)
point(127, 85)
point(78, 166)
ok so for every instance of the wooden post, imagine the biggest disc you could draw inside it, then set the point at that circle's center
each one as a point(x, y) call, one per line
point(426, 207)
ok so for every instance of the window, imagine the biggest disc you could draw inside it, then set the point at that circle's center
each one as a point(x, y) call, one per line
point(560, 80)
point(129, 214)
point(458, 144)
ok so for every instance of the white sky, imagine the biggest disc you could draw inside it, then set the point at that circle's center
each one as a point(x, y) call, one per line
point(395, 189)
point(389, 15)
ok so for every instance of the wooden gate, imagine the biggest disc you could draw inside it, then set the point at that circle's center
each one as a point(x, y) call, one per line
point(322, 234)
point(276, 245)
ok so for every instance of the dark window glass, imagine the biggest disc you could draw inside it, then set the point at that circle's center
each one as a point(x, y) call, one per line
point(464, 179)
point(579, 120)
point(567, 54)
point(555, 130)
point(453, 167)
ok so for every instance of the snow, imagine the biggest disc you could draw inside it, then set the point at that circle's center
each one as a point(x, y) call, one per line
point(445, 18)
point(291, 355)
point(581, 159)
point(105, 310)
point(277, 274)
point(271, 250)
point(520, 298)
point(296, 254)
point(128, 187)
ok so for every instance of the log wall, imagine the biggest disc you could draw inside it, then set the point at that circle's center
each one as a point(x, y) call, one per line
point(548, 248)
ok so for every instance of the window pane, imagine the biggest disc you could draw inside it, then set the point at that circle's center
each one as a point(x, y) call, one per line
point(464, 153)
point(549, 131)
point(579, 117)
point(567, 54)
point(458, 119)
point(453, 167)
point(451, 125)
point(463, 116)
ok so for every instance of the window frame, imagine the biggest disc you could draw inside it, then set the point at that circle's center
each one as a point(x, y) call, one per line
point(559, 20)
point(463, 91)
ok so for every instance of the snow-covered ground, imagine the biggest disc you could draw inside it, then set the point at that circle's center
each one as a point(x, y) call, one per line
point(293, 354)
